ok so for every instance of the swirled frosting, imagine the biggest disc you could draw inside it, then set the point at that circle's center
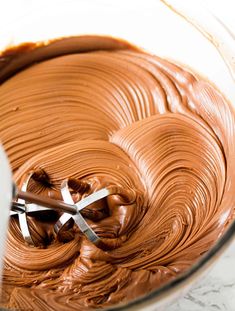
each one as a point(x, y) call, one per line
point(99, 110)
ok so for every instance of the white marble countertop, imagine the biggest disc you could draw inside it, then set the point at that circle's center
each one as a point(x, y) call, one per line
point(216, 291)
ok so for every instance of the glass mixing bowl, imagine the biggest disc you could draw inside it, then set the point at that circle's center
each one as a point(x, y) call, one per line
point(157, 28)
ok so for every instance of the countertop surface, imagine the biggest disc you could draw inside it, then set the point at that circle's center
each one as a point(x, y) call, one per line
point(216, 291)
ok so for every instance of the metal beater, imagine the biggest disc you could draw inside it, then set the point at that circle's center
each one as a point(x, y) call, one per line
point(25, 203)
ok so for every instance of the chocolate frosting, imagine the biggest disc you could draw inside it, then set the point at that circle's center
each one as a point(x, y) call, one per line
point(101, 111)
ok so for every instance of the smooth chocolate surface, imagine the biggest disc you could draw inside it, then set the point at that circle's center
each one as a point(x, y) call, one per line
point(99, 110)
